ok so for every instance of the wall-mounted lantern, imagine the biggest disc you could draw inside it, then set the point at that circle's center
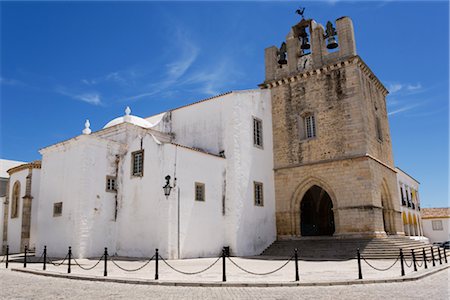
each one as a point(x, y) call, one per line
point(167, 188)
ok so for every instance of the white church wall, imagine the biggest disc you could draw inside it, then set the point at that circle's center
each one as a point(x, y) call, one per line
point(142, 216)
point(74, 173)
point(253, 226)
point(202, 224)
point(225, 124)
point(15, 224)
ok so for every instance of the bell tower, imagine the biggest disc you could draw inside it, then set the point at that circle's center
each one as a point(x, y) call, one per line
point(331, 136)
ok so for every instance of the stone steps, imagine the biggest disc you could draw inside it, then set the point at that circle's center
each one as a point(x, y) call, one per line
point(338, 248)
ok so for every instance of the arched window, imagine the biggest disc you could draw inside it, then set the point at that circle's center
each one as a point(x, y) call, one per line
point(15, 200)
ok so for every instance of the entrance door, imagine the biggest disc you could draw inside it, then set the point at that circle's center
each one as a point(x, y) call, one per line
point(316, 213)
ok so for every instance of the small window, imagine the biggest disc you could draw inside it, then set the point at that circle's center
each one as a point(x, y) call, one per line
point(110, 183)
point(137, 159)
point(437, 225)
point(258, 193)
point(199, 191)
point(310, 126)
point(57, 209)
point(257, 133)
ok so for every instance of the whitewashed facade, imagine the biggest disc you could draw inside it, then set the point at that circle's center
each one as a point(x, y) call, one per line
point(210, 143)
point(408, 189)
point(436, 224)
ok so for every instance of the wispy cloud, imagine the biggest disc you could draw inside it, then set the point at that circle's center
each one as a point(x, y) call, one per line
point(403, 109)
point(92, 98)
point(10, 81)
point(404, 88)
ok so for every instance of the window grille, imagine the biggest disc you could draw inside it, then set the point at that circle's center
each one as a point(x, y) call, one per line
point(199, 191)
point(138, 163)
point(257, 133)
point(258, 193)
point(57, 209)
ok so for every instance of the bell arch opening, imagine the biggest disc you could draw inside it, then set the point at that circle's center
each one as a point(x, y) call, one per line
point(316, 213)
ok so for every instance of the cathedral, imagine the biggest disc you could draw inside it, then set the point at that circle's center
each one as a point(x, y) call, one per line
point(308, 153)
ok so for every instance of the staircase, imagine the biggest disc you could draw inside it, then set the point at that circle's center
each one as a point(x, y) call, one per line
point(333, 248)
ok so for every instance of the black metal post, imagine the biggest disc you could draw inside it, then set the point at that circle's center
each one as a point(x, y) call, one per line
point(414, 260)
point(25, 257)
point(439, 254)
point(7, 256)
point(44, 267)
point(445, 257)
point(105, 255)
point(224, 276)
point(424, 258)
point(401, 262)
point(156, 265)
point(297, 277)
point(69, 264)
point(432, 256)
point(358, 255)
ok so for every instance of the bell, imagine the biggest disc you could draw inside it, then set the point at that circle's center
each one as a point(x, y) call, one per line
point(282, 61)
point(305, 45)
point(331, 43)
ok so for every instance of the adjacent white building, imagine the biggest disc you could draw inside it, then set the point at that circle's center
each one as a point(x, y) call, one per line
point(5, 164)
point(436, 224)
point(105, 188)
point(408, 189)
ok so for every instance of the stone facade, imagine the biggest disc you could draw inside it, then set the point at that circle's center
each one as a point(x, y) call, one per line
point(350, 154)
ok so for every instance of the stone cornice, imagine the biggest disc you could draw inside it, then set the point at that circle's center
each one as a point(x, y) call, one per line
point(331, 160)
point(32, 165)
point(327, 68)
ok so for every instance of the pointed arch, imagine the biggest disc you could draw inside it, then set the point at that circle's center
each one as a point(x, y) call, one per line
point(388, 208)
point(297, 197)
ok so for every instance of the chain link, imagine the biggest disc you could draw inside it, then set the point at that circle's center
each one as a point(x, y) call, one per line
point(419, 265)
point(131, 270)
point(3, 259)
point(261, 274)
point(406, 263)
point(90, 268)
point(379, 269)
point(190, 273)
point(57, 264)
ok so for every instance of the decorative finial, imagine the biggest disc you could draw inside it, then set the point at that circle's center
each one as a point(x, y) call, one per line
point(301, 11)
point(128, 111)
point(87, 129)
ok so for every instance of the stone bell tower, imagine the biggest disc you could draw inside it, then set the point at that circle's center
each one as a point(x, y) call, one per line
point(334, 172)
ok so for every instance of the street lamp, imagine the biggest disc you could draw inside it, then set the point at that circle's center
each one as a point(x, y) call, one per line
point(167, 188)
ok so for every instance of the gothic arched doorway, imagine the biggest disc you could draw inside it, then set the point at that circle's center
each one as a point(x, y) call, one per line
point(316, 213)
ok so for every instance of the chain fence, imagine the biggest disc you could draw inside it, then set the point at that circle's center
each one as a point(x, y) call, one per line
point(190, 273)
point(380, 269)
point(131, 270)
point(260, 274)
point(57, 264)
point(88, 268)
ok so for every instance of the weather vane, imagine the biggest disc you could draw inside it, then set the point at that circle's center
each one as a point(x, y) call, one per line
point(301, 11)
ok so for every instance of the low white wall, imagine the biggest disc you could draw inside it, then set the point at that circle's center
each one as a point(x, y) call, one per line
point(437, 235)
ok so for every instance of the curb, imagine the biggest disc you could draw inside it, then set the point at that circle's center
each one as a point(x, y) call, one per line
point(227, 284)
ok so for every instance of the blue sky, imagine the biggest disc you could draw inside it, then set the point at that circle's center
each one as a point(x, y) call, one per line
point(64, 62)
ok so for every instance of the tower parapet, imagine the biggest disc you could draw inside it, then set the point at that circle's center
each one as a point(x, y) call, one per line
point(307, 47)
